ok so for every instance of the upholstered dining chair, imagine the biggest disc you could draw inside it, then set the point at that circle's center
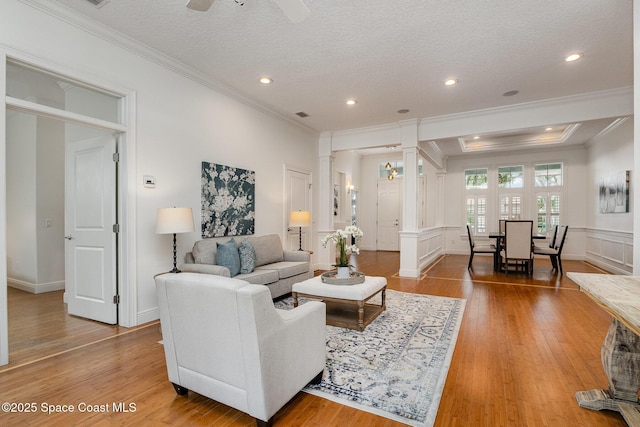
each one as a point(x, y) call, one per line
point(224, 339)
point(555, 249)
point(552, 243)
point(476, 248)
point(518, 246)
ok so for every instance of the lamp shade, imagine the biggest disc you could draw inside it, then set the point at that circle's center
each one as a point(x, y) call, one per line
point(299, 219)
point(174, 220)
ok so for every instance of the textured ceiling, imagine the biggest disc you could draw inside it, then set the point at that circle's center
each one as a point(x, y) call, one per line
point(388, 54)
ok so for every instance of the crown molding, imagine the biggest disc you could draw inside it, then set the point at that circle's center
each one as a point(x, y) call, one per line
point(123, 41)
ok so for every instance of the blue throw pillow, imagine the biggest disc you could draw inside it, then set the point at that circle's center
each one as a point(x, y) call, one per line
point(227, 256)
point(247, 257)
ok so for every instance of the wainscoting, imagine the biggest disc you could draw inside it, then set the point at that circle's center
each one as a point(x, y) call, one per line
point(609, 250)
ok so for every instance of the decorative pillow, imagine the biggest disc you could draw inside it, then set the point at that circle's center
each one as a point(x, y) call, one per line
point(227, 256)
point(247, 257)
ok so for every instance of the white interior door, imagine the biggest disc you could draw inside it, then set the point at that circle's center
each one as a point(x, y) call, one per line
point(298, 197)
point(90, 215)
point(389, 213)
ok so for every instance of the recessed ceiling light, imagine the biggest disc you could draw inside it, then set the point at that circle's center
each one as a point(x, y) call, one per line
point(573, 57)
point(403, 111)
point(511, 93)
point(266, 80)
point(450, 82)
point(476, 137)
point(548, 129)
point(351, 101)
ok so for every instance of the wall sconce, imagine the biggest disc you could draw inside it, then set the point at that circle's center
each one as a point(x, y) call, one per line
point(350, 188)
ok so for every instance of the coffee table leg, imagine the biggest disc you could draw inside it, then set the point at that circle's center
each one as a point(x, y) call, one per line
point(295, 298)
point(384, 295)
point(361, 315)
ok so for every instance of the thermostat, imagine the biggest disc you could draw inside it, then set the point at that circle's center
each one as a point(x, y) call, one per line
point(149, 181)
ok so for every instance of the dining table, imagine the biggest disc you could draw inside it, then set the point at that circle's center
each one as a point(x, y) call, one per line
point(499, 236)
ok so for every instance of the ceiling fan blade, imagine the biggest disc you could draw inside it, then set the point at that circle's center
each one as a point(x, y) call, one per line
point(295, 10)
point(199, 5)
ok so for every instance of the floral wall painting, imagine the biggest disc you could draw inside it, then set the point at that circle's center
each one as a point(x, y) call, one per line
point(614, 193)
point(228, 201)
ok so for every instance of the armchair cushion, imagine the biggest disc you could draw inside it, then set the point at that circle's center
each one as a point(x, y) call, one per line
point(227, 256)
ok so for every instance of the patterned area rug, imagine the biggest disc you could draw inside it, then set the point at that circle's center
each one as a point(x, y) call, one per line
point(397, 367)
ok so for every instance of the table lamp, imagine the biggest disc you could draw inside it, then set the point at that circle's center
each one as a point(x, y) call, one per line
point(173, 221)
point(300, 219)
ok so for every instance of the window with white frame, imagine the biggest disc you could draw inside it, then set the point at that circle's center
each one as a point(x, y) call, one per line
point(548, 183)
point(511, 177)
point(510, 206)
point(476, 185)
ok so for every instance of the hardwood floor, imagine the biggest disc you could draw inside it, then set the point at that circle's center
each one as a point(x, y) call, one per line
point(525, 347)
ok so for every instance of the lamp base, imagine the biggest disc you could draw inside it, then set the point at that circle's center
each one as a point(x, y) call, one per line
point(175, 270)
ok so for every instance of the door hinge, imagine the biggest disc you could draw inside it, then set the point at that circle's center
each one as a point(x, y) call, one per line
point(116, 228)
point(116, 157)
point(116, 299)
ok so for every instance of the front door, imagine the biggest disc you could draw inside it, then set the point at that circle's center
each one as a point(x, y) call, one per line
point(389, 204)
point(90, 216)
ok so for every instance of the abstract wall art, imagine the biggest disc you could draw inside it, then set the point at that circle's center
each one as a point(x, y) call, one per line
point(228, 200)
point(614, 193)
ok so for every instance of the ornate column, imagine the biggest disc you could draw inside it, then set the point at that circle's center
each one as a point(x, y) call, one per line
point(409, 251)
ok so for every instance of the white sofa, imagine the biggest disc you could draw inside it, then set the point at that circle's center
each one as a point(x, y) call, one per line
point(273, 267)
point(224, 339)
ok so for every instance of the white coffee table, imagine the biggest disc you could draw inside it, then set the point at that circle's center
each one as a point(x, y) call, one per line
point(346, 304)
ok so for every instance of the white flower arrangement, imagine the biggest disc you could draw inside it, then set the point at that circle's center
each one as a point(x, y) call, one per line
point(342, 240)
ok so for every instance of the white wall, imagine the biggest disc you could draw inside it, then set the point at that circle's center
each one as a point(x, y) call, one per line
point(179, 124)
point(21, 197)
point(610, 236)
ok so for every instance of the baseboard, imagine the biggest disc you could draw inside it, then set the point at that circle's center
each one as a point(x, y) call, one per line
point(148, 316)
point(35, 288)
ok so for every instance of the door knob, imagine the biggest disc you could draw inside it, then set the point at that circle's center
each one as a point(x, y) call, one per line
point(68, 237)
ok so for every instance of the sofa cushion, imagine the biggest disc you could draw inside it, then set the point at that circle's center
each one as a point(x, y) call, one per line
point(287, 269)
point(268, 249)
point(227, 256)
point(204, 251)
point(259, 277)
point(247, 256)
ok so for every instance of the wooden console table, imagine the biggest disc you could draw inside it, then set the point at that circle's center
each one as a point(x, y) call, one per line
point(620, 296)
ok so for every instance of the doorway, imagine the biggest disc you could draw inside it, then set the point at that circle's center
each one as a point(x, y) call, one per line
point(389, 214)
point(76, 111)
point(297, 195)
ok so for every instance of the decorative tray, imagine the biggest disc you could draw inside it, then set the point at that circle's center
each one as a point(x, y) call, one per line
point(331, 278)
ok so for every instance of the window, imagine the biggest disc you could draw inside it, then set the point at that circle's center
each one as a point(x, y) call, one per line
point(476, 179)
point(548, 175)
point(511, 177)
point(548, 215)
point(476, 184)
point(510, 206)
point(477, 213)
point(397, 167)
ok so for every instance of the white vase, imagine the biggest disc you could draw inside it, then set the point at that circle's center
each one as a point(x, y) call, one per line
point(343, 273)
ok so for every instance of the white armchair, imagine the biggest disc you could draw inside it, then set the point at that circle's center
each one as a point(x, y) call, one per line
point(224, 339)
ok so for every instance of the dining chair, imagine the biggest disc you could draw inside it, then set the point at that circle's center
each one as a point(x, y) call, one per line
point(552, 243)
point(478, 248)
point(501, 225)
point(555, 251)
point(518, 245)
